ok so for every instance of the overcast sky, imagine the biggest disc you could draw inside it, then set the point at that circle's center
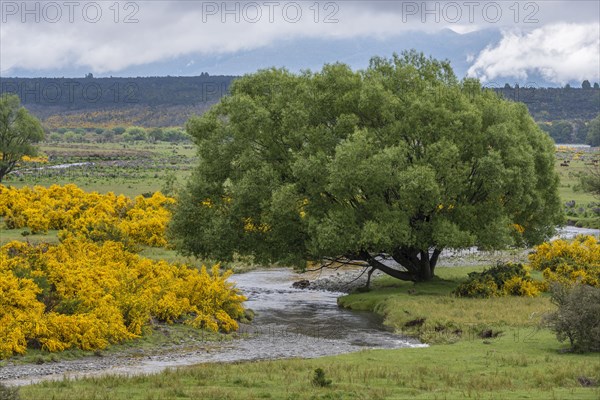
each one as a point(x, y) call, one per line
point(559, 40)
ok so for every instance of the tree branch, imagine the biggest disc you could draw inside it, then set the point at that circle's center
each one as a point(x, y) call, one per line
point(376, 264)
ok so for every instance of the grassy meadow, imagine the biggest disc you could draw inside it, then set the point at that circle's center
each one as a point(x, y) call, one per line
point(123, 168)
point(581, 213)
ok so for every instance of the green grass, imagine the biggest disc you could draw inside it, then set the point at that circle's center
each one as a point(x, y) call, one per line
point(507, 368)
point(7, 235)
point(130, 169)
point(429, 310)
point(238, 265)
point(522, 362)
point(569, 189)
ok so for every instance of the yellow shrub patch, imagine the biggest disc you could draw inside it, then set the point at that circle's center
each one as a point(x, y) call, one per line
point(93, 215)
point(564, 262)
point(85, 294)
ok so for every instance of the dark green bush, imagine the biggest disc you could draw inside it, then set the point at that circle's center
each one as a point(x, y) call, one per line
point(319, 378)
point(577, 317)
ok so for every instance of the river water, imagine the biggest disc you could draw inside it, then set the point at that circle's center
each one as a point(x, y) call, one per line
point(288, 323)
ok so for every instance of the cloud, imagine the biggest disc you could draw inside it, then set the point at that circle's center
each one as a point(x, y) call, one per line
point(145, 32)
point(559, 53)
point(159, 31)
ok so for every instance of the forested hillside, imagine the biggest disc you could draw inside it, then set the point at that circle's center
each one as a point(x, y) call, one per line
point(169, 101)
point(552, 104)
point(105, 102)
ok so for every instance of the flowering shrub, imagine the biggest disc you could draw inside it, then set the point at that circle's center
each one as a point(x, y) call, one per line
point(501, 280)
point(92, 215)
point(84, 294)
point(566, 263)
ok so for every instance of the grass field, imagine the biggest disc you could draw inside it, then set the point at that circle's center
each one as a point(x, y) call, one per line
point(582, 213)
point(430, 311)
point(130, 169)
point(522, 362)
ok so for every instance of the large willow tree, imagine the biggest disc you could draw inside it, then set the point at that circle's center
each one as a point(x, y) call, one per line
point(385, 167)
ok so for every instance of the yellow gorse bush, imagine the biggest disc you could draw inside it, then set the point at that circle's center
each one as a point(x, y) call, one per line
point(85, 294)
point(39, 159)
point(564, 262)
point(93, 215)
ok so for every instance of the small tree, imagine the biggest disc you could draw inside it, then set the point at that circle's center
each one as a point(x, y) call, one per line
point(590, 180)
point(19, 132)
point(593, 134)
point(577, 317)
point(119, 130)
point(586, 84)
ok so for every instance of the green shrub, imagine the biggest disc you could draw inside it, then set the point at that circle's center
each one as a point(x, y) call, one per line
point(577, 317)
point(319, 378)
point(8, 393)
point(501, 280)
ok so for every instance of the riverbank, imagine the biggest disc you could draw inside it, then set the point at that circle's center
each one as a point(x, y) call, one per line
point(518, 360)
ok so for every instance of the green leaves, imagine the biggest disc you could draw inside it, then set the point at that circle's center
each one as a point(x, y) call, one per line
point(399, 158)
point(19, 132)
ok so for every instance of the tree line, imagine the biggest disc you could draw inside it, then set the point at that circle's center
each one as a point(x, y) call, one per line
point(170, 101)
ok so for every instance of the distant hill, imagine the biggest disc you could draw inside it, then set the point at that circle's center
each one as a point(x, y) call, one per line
point(170, 101)
point(552, 104)
point(144, 101)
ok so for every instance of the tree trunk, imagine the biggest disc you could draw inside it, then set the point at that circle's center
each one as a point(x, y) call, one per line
point(368, 284)
point(419, 264)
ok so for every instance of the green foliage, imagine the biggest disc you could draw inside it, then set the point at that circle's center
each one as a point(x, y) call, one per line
point(319, 378)
point(577, 317)
point(8, 393)
point(568, 131)
point(553, 104)
point(134, 133)
point(500, 280)
point(593, 135)
point(590, 180)
point(19, 132)
point(400, 159)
